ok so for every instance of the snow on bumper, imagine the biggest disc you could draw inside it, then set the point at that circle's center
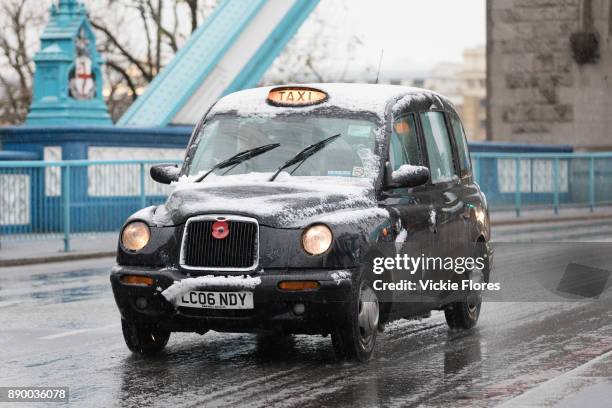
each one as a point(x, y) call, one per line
point(273, 307)
point(174, 292)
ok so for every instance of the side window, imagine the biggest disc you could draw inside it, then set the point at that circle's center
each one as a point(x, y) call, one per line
point(439, 150)
point(462, 147)
point(404, 148)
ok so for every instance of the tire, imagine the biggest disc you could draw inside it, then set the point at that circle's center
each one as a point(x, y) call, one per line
point(464, 315)
point(144, 340)
point(355, 340)
point(461, 316)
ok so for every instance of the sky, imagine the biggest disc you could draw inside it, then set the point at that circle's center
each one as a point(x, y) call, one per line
point(415, 34)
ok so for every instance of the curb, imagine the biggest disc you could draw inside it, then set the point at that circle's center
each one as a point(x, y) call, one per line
point(56, 258)
point(522, 220)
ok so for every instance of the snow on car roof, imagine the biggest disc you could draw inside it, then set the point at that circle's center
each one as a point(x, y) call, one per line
point(352, 97)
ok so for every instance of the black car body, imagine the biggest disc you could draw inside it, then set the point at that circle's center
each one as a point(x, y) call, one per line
point(432, 203)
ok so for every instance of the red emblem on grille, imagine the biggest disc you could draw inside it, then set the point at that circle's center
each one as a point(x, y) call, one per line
point(220, 229)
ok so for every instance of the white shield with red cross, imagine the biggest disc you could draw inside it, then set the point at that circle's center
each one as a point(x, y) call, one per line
point(82, 84)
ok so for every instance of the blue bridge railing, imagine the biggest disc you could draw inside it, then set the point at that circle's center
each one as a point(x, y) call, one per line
point(46, 199)
point(537, 180)
point(64, 198)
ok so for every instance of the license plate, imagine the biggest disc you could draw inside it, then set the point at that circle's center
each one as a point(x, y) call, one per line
point(217, 300)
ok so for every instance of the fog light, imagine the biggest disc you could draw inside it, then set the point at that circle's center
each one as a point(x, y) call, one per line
point(299, 285)
point(141, 303)
point(299, 309)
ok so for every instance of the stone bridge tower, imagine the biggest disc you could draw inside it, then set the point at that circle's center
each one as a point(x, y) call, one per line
point(550, 72)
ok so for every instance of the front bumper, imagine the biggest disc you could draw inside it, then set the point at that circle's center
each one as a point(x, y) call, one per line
point(325, 308)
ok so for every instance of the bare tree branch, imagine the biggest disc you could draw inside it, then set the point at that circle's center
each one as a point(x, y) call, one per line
point(117, 68)
point(193, 11)
point(135, 37)
point(15, 82)
point(161, 30)
point(9, 93)
point(111, 37)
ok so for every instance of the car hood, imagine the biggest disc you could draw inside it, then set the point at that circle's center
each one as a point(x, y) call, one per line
point(276, 204)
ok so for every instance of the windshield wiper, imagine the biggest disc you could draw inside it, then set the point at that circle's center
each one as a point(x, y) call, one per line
point(239, 158)
point(304, 154)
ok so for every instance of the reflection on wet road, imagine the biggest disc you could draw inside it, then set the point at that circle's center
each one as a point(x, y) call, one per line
point(61, 328)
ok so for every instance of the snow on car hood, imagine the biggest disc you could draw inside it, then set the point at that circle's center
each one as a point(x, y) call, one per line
point(287, 202)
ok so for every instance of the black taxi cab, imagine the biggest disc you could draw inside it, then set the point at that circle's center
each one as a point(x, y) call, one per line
point(285, 197)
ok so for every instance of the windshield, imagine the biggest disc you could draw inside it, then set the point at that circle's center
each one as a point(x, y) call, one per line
point(351, 155)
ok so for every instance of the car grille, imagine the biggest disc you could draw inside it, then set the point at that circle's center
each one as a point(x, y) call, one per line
point(238, 250)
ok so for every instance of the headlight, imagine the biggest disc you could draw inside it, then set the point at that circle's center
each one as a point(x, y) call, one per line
point(135, 236)
point(317, 239)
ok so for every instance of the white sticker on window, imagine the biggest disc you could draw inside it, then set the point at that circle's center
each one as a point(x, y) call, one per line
point(361, 131)
point(339, 173)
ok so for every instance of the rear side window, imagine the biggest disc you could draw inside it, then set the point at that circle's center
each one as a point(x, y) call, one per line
point(462, 147)
point(439, 150)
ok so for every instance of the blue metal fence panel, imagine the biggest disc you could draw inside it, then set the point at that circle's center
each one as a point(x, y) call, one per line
point(42, 199)
point(554, 180)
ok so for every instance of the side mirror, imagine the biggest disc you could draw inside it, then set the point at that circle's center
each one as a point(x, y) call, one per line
point(165, 173)
point(407, 176)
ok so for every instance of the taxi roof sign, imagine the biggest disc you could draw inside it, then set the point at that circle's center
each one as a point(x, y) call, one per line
point(296, 96)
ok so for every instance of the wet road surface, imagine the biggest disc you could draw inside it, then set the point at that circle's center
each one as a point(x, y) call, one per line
point(60, 327)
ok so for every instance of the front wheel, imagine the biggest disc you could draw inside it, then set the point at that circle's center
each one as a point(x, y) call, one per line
point(357, 338)
point(144, 340)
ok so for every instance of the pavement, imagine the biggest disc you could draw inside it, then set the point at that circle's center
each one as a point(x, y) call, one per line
point(508, 217)
point(588, 385)
point(51, 249)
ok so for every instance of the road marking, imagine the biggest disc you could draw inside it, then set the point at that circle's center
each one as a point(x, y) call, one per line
point(8, 303)
point(540, 394)
point(78, 331)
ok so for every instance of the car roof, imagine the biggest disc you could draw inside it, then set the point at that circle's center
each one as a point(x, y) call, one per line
point(348, 96)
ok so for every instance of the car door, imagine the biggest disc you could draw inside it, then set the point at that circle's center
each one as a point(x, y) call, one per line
point(410, 206)
point(474, 218)
point(469, 191)
point(447, 206)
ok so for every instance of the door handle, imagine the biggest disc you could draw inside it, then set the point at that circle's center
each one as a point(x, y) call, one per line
point(433, 221)
point(467, 211)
